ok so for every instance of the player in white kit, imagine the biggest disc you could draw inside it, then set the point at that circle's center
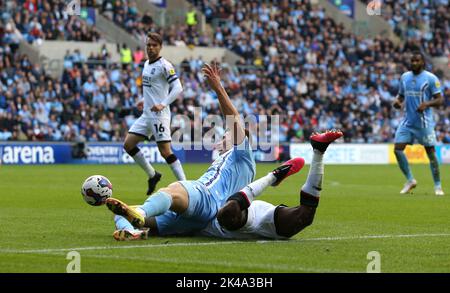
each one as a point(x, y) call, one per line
point(243, 218)
point(160, 87)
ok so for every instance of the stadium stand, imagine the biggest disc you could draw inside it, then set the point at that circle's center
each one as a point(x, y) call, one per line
point(46, 20)
point(125, 14)
point(296, 62)
point(422, 21)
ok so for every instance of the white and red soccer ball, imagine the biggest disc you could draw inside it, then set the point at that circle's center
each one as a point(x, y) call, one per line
point(96, 189)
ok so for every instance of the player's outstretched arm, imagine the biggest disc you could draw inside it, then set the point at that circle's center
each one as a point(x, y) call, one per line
point(212, 75)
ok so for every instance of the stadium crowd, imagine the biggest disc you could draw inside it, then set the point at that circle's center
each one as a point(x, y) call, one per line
point(125, 14)
point(423, 21)
point(46, 20)
point(296, 62)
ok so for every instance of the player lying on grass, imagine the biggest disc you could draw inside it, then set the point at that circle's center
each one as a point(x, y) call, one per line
point(197, 201)
point(243, 218)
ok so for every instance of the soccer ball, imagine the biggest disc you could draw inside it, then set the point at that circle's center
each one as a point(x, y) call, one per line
point(96, 189)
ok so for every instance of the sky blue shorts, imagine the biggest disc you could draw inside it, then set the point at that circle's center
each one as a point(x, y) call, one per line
point(203, 205)
point(424, 136)
point(202, 208)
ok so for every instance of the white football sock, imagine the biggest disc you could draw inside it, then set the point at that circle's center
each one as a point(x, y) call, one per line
point(177, 170)
point(257, 187)
point(141, 161)
point(313, 183)
point(122, 223)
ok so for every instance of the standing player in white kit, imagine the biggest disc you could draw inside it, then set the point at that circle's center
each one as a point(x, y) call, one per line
point(160, 87)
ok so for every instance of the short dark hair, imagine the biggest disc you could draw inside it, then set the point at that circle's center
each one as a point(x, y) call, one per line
point(155, 37)
point(418, 52)
point(230, 216)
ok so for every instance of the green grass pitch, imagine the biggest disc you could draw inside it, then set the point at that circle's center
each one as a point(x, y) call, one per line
point(43, 217)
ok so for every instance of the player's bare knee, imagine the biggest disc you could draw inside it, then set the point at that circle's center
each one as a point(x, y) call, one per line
point(169, 191)
point(180, 198)
point(164, 149)
point(129, 145)
point(166, 153)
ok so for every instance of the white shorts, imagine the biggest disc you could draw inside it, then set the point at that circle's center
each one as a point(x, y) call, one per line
point(158, 127)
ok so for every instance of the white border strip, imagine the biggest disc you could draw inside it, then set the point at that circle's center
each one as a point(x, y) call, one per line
point(224, 242)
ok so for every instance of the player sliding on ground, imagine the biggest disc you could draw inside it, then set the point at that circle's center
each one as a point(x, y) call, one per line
point(243, 218)
point(197, 201)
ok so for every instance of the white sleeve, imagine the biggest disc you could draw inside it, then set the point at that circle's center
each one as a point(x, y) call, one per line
point(175, 89)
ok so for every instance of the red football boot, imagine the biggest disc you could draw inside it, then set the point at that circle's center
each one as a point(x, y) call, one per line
point(320, 141)
point(287, 169)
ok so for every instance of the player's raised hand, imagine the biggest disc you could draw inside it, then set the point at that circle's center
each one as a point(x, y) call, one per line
point(212, 75)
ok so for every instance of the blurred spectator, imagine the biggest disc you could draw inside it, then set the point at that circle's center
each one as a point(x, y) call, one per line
point(125, 56)
point(138, 56)
point(191, 17)
point(420, 21)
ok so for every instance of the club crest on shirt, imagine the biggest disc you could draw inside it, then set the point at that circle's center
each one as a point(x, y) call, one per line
point(146, 80)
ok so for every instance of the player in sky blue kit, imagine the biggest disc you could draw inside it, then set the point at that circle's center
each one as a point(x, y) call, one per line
point(419, 91)
point(196, 202)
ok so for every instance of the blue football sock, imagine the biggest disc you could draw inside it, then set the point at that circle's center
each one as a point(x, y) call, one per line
point(403, 164)
point(123, 224)
point(434, 166)
point(157, 204)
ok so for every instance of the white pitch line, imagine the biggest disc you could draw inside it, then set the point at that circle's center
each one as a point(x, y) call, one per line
point(224, 242)
point(377, 237)
point(120, 247)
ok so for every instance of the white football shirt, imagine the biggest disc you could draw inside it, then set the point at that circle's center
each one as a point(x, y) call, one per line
point(260, 224)
point(156, 79)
